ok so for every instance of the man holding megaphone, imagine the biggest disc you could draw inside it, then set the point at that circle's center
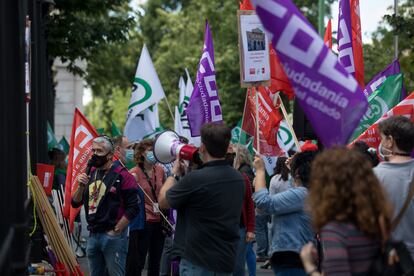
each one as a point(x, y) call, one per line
point(208, 202)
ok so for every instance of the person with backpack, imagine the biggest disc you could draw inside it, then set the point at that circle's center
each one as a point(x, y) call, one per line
point(349, 211)
point(396, 174)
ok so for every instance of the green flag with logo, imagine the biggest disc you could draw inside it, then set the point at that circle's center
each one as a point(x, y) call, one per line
point(380, 102)
point(115, 131)
point(64, 145)
point(238, 135)
point(51, 139)
point(147, 91)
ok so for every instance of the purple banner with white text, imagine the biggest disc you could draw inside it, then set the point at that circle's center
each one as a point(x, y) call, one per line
point(204, 105)
point(330, 96)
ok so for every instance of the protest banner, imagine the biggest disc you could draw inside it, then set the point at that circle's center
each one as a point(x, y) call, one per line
point(328, 94)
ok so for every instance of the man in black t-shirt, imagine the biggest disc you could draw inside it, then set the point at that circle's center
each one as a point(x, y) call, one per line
point(209, 202)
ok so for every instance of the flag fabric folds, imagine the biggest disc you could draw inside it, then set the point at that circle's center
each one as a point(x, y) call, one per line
point(64, 145)
point(51, 139)
point(327, 39)
point(145, 125)
point(357, 42)
point(146, 92)
point(204, 105)
point(372, 137)
point(115, 131)
point(382, 100)
point(328, 94)
point(392, 69)
point(80, 152)
point(142, 116)
point(269, 120)
point(345, 49)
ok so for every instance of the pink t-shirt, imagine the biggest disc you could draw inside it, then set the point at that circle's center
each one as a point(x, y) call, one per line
point(155, 182)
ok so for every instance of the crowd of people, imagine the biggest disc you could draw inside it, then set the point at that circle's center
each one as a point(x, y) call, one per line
point(334, 211)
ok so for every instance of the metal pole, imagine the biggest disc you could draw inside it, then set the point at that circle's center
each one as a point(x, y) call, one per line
point(396, 36)
point(321, 17)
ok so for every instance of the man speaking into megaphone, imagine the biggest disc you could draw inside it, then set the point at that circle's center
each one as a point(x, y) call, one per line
point(208, 202)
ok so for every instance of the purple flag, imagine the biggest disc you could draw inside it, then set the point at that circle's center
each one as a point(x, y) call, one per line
point(345, 50)
point(378, 80)
point(204, 105)
point(330, 97)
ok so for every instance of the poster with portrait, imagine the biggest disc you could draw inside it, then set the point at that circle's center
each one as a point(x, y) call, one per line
point(254, 50)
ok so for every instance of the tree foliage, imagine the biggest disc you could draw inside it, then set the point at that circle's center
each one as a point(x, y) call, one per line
point(103, 33)
point(379, 53)
point(77, 29)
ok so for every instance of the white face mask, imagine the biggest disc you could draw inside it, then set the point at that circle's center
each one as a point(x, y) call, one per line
point(383, 155)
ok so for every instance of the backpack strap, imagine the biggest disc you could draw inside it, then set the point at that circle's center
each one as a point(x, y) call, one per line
point(410, 194)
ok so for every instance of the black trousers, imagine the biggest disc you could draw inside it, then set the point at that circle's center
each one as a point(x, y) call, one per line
point(149, 241)
point(134, 254)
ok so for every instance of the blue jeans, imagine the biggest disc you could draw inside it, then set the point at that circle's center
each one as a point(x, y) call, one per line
point(189, 269)
point(289, 271)
point(239, 269)
point(251, 259)
point(107, 253)
point(262, 235)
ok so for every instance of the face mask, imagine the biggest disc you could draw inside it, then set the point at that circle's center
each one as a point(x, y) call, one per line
point(99, 160)
point(150, 157)
point(384, 156)
point(129, 155)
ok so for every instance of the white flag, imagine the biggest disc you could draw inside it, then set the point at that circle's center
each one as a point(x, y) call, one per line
point(144, 125)
point(177, 122)
point(285, 137)
point(186, 89)
point(182, 88)
point(146, 89)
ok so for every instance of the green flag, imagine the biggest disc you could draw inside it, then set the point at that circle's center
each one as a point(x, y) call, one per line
point(238, 135)
point(64, 145)
point(380, 102)
point(115, 131)
point(100, 130)
point(51, 139)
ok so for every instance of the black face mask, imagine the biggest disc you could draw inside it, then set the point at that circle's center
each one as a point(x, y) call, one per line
point(99, 160)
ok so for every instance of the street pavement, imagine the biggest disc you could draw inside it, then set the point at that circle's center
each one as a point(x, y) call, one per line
point(259, 272)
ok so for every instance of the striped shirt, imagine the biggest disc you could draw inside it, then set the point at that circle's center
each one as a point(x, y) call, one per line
point(347, 251)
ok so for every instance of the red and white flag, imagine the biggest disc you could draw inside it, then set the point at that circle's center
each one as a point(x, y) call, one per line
point(405, 108)
point(269, 121)
point(80, 152)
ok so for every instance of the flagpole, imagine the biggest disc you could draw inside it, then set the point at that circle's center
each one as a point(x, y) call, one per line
point(396, 36)
point(282, 107)
point(240, 134)
point(169, 108)
point(321, 16)
point(257, 119)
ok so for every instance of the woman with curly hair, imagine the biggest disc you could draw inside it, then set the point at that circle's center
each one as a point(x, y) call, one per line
point(349, 210)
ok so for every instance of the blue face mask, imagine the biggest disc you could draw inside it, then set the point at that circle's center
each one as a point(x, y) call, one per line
point(129, 155)
point(150, 157)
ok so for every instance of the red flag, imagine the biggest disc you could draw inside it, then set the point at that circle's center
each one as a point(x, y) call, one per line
point(246, 6)
point(79, 153)
point(328, 35)
point(269, 121)
point(405, 108)
point(357, 42)
point(278, 78)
